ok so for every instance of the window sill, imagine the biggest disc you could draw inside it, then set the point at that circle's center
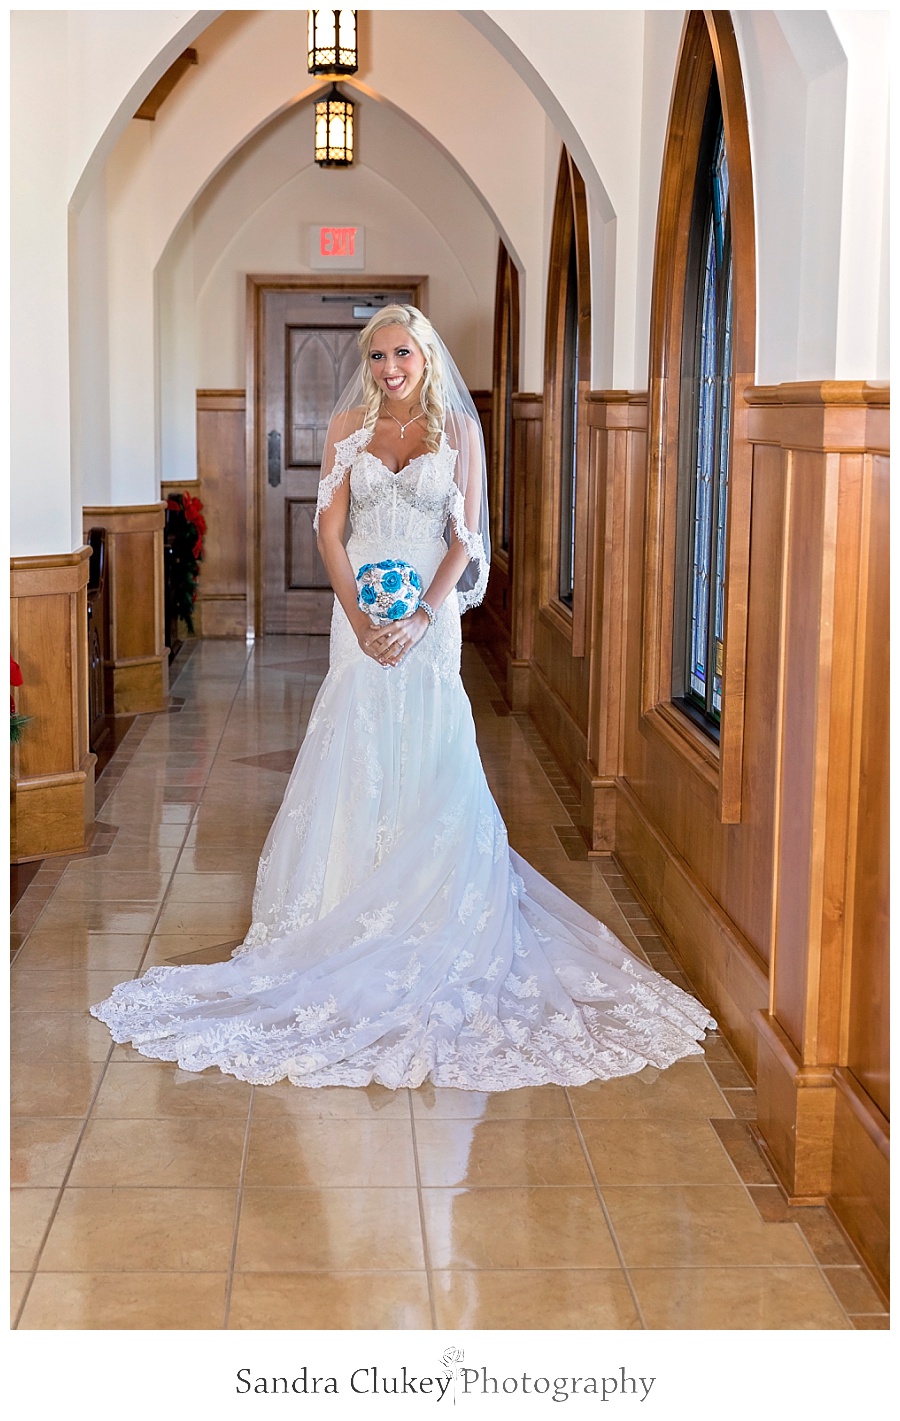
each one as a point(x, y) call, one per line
point(693, 713)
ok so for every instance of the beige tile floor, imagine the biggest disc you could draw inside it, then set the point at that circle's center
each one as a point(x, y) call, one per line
point(147, 1197)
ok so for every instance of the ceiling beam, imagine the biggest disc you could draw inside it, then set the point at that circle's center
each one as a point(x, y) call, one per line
point(161, 90)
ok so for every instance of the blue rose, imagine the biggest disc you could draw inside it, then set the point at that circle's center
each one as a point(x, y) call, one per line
point(366, 567)
point(368, 595)
point(385, 564)
point(415, 580)
point(392, 582)
point(397, 610)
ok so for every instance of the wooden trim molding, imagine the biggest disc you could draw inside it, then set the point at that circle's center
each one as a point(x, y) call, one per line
point(221, 606)
point(528, 406)
point(52, 786)
point(139, 660)
point(164, 86)
point(722, 964)
point(172, 486)
point(570, 221)
point(525, 472)
point(505, 382)
point(795, 1113)
point(617, 444)
point(830, 416)
point(824, 1054)
point(221, 399)
point(130, 518)
point(860, 1175)
point(708, 43)
point(491, 622)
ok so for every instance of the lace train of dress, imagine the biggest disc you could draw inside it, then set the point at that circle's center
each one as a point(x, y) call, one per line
point(396, 936)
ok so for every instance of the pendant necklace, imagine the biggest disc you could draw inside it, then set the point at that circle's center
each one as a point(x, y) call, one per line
point(403, 427)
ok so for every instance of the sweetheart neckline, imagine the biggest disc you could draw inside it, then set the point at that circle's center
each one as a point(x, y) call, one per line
point(395, 473)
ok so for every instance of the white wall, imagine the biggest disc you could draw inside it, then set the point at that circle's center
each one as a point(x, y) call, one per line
point(816, 86)
point(177, 375)
point(73, 78)
point(246, 79)
point(419, 214)
point(254, 218)
point(863, 345)
point(115, 58)
point(134, 471)
point(43, 490)
point(795, 75)
point(586, 67)
point(817, 97)
point(89, 314)
point(662, 42)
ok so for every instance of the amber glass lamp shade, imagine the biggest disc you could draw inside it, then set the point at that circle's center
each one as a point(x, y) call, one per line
point(332, 42)
point(334, 130)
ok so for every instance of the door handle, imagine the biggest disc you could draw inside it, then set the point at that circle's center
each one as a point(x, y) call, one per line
point(274, 457)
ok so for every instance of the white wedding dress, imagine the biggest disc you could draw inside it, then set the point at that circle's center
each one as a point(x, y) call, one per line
point(396, 936)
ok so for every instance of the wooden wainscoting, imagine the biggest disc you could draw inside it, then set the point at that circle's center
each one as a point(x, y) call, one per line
point(617, 444)
point(860, 1168)
point(779, 919)
point(709, 883)
point(52, 766)
point(824, 1061)
point(525, 504)
point(139, 660)
point(228, 566)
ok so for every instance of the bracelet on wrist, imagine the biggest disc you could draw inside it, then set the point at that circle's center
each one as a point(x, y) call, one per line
point(428, 610)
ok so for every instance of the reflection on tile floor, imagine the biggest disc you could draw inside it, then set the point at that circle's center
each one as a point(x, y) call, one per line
point(148, 1197)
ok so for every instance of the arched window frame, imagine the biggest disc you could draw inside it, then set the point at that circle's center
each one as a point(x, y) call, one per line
point(566, 385)
point(505, 382)
point(704, 433)
point(708, 47)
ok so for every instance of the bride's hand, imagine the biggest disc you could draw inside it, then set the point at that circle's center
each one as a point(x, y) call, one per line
point(390, 643)
point(369, 638)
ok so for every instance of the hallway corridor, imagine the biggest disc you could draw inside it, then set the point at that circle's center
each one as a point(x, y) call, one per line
point(147, 1197)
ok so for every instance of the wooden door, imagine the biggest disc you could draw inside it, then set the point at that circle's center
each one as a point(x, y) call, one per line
point(309, 352)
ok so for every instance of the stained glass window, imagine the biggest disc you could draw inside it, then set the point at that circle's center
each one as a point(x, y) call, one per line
point(706, 439)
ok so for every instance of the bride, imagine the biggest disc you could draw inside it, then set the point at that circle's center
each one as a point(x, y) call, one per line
point(396, 937)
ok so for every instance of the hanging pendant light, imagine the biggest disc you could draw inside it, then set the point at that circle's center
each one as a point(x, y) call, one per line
point(332, 42)
point(334, 130)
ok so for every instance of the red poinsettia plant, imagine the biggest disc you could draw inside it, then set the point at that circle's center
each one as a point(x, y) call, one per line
point(16, 721)
point(192, 509)
point(185, 531)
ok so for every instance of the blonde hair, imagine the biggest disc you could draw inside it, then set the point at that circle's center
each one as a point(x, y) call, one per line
point(422, 333)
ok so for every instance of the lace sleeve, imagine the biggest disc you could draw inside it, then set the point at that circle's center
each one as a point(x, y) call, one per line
point(345, 451)
point(468, 506)
point(474, 546)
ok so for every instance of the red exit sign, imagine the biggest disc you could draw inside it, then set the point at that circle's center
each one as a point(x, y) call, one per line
point(341, 247)
point(337, 241)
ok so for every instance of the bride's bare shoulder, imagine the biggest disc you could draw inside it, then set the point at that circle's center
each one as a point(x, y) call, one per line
point(460, 424)
point(346, 423)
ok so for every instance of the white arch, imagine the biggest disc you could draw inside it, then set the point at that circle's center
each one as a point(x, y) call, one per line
point(249, 78)
point(252, 216)
point(76, 76)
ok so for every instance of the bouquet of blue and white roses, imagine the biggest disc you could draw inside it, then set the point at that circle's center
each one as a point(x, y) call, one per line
point(388, 590)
